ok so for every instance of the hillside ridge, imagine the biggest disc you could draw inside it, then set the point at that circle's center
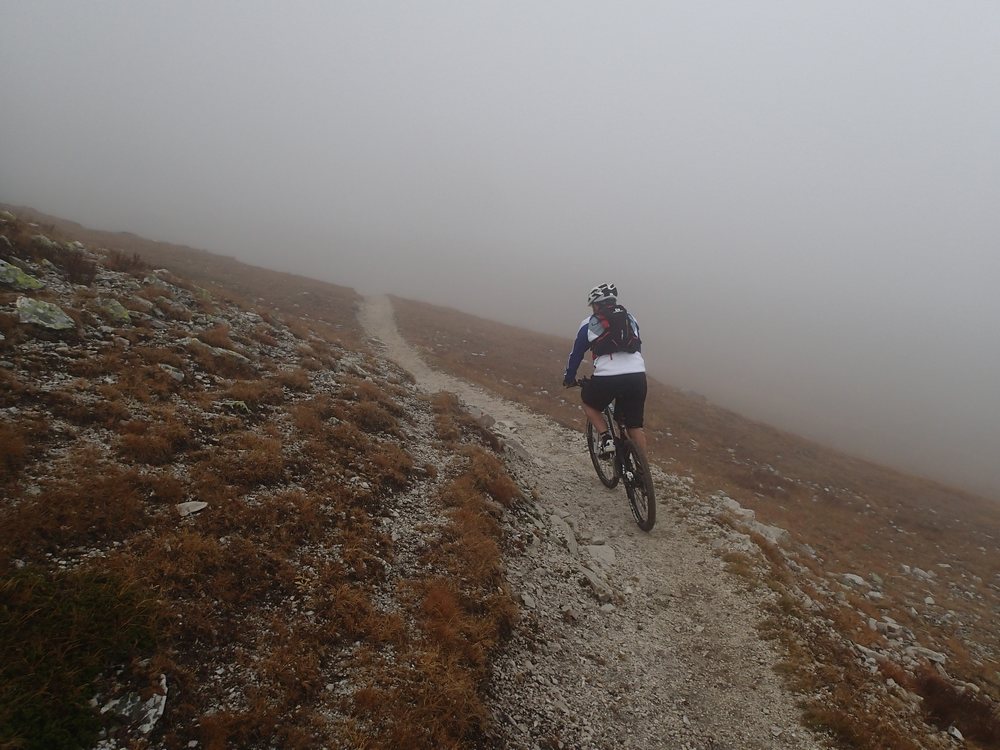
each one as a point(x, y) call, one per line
point(880, 623)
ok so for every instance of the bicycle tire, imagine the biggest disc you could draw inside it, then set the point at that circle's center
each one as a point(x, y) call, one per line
point(606, 468)
point(638, 483)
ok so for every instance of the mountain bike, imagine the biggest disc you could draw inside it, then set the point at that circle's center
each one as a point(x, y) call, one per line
point(627, 465)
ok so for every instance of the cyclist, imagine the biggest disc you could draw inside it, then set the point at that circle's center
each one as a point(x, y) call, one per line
point(611, 334)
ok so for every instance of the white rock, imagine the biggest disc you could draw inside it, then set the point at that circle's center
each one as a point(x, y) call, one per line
point(854, 579)
point(189, 508)
point(172, 372)
point(774, 534)
point(926, 653)
point(567, 534)
point(600, 588)
point(735, 508)
point(603, 553)
point(154, 707)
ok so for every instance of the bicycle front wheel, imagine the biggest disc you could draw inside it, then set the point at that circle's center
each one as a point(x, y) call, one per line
point(639, 486)
point(605, 467)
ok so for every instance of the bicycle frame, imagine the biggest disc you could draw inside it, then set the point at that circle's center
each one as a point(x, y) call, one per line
point(629, 465)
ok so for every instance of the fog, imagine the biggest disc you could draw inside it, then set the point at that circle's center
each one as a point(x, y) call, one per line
point(799, 201)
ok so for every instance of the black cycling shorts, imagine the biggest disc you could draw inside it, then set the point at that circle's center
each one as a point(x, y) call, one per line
point(629, 389)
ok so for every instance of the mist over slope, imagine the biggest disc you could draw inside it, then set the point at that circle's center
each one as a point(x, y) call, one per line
point(895, 399)
point(874, 573)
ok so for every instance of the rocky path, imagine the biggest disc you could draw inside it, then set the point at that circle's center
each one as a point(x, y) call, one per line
point(629, 640)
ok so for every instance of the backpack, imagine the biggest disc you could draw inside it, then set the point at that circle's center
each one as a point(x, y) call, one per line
point(618, 334)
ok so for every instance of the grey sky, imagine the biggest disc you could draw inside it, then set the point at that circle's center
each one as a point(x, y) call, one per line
point(798, 199)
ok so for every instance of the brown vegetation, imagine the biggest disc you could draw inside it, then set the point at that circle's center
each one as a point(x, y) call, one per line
point(13, 450)
point(270, 592)
point(947, 705)
point(117, 260)
point(855, 515)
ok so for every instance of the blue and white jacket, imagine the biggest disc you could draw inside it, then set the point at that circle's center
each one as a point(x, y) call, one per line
point(617, 363)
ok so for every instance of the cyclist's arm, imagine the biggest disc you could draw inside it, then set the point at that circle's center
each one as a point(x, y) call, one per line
point(580, 346)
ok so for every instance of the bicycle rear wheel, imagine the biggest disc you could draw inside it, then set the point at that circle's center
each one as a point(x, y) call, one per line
point(639, 486)
point(606, 468)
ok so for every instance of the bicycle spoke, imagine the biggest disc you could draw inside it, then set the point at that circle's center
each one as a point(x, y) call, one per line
point(639, 487)
point(606, 467)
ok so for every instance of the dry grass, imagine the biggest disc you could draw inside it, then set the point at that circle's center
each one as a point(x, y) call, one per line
point(117, 260)
point(392, 467)
point(276, 580)
point(78, 269)
point(154, 444)
point(433, 697)
point(294, 380)
point(365, 391)
point(9, 325)
point(946, 705)
point(165, 488)
point(374, 418)
point(311, 416)
point(217, 336)
point(856, 515)
point(223, 364)
point(14, 451)
point(255, 392)
point(454, 424)
point(81, 411)
point(486, 475)
point(97, 503)
point(172, 310)
point(247, 459)
point(263, 335)
point(57, 635)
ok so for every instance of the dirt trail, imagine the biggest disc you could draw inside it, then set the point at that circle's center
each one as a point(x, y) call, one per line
point(670, 658)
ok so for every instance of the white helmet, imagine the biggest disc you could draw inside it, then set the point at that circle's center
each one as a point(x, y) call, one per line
point(602, 293)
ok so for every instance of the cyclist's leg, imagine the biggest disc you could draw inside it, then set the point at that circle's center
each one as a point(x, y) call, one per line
point(638, 436)
point(596, 417)
point(633, 403)
point(595, 398)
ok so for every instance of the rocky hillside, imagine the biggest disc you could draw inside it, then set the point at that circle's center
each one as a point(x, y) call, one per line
point(230, 519)
point(224, 527)
point(889, 584)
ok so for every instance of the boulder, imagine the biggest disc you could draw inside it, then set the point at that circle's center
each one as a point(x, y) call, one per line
point(43, 314)
point(734, 507)
point(193, 343)
point(774, 534)
point(12, 276)
point(854, 580)
point(917, 652)
point(40, 240)
point(173, 372)
point(114, 310)
point(6, 217)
